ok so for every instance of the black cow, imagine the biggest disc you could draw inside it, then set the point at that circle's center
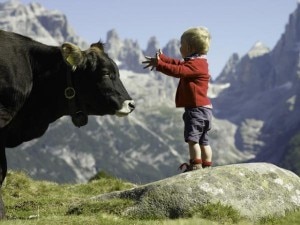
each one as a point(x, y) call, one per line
point(41, 83)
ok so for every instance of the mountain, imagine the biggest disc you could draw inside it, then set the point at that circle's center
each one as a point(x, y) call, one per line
point(255, 105)
point(35, 21)
point(262, 99)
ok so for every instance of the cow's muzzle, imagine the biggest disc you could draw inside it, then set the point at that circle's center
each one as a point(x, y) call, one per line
point(127, 107)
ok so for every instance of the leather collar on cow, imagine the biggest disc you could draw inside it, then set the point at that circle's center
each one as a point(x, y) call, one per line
point(79, 118)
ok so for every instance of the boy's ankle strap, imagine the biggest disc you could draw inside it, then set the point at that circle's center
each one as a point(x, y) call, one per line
point(195, 161)
point(206, 163)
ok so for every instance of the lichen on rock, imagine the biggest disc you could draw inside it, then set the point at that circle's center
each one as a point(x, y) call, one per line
point(255, 190)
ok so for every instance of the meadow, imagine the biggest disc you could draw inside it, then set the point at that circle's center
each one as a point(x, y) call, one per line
point(31, 202)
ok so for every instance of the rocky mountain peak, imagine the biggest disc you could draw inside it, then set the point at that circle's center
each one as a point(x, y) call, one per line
point(290, 39)
point(47, 26)
point(152, 46)
point(294, 24)
point(287, 48)
point(11, 4)
point(14, 8)
point(113, 44)
point(229, 69)
point(172, 48)
point(112, 35)
point(127, 53)
point(258, 49)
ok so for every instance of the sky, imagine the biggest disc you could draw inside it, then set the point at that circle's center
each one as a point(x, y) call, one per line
point(235, 25)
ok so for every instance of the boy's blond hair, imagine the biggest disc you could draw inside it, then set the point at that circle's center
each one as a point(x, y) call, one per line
point(197, 38)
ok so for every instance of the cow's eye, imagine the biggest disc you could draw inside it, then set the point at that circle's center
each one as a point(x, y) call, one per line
point(111, 76)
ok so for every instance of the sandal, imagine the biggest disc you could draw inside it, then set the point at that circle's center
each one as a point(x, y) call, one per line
point(195, 164)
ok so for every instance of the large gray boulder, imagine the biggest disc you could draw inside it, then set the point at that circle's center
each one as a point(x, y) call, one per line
point(255, 190)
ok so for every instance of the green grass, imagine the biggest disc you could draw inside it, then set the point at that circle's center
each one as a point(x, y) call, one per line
point(41, 202)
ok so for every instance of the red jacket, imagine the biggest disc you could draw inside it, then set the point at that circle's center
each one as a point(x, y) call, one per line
point(194, 79)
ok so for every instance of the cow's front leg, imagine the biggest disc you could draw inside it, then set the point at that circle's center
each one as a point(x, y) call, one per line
point(3, 170)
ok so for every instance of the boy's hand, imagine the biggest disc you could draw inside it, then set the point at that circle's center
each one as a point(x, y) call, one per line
point(152, 61)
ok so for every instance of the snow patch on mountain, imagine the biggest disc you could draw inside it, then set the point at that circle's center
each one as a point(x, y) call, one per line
point(259, 49)
point(83, 164)
point(216, 89)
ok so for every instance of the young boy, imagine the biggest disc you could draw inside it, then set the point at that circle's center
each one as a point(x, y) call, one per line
point(191, 92)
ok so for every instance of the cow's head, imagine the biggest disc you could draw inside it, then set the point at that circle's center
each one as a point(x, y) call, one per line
point(97, 81)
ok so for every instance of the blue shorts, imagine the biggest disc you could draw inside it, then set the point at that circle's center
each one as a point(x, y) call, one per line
point(197, 122)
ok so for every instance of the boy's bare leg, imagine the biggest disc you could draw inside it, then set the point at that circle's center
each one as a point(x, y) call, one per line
point(206, 153)
point(195, 150)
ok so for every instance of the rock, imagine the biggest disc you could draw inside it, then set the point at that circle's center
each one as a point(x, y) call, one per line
point(255, 190)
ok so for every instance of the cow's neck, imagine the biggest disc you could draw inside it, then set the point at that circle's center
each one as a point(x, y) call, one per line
point(79, 118)
point(54, 79)
point(50, 80)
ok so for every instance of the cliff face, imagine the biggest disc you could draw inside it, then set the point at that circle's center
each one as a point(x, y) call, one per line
point(263, 97)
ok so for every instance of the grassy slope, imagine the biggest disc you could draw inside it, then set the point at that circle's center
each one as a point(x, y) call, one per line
point(41, 202)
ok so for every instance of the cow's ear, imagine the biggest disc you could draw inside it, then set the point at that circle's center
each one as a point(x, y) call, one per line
point(72, 54)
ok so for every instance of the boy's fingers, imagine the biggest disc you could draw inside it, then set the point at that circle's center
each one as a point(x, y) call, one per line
point(150, 62)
